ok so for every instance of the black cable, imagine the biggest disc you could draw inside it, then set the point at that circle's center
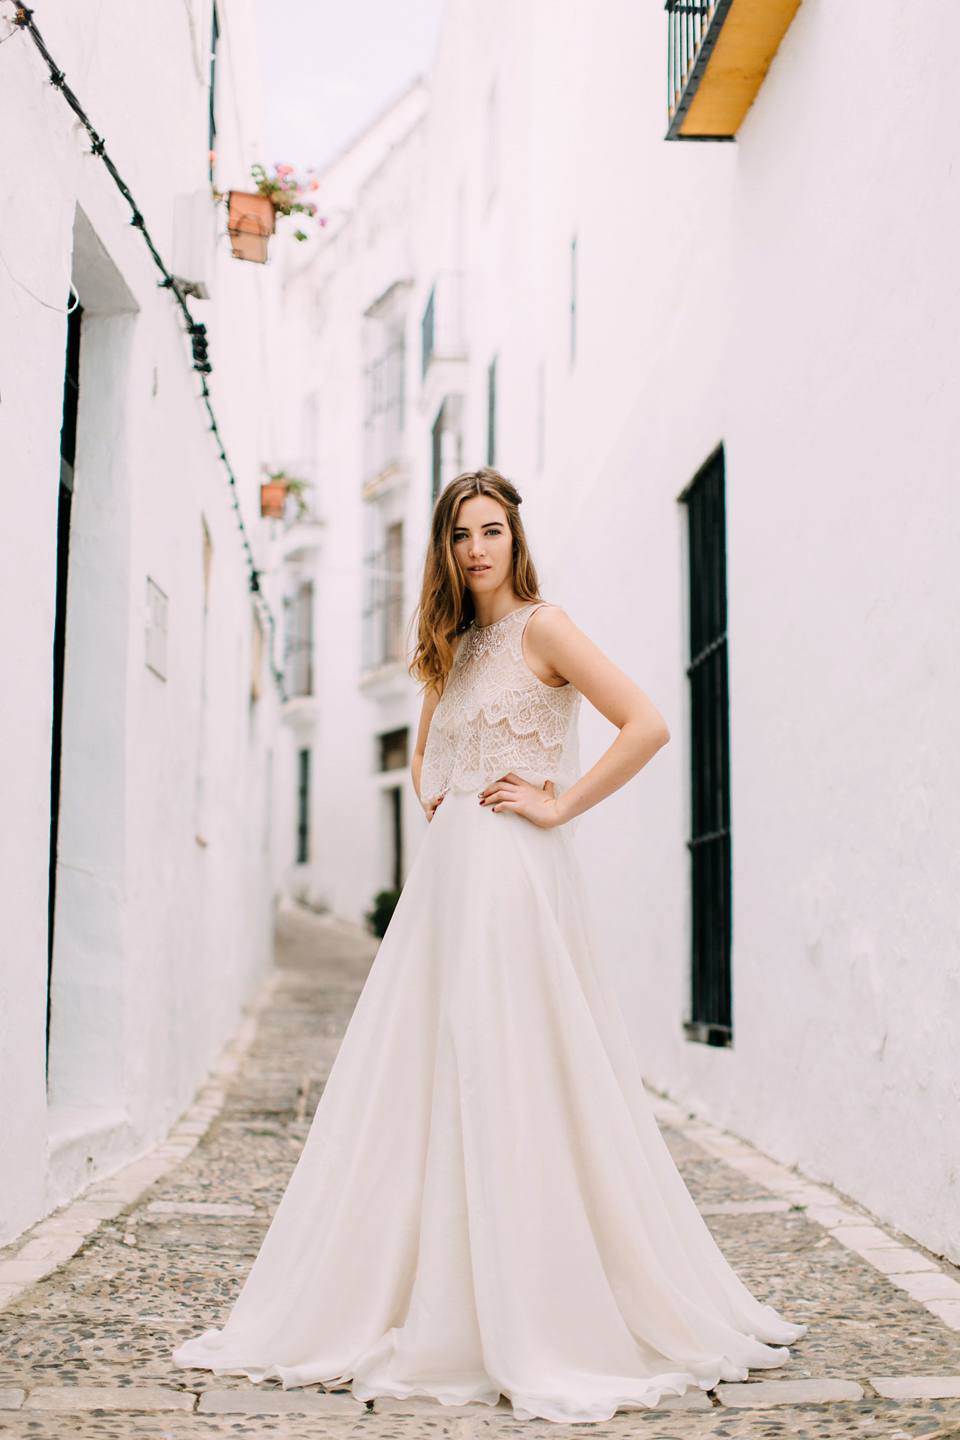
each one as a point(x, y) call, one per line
point(197, 331)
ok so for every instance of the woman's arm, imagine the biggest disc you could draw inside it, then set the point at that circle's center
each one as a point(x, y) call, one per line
point(557, 651)
point(430, 702)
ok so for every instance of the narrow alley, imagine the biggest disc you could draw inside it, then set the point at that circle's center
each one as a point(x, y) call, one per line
point(96, 1297)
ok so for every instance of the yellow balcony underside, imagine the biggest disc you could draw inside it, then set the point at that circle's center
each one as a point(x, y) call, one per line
point(741, 57)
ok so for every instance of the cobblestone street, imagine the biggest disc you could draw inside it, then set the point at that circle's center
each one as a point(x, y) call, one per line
point(96, 1297)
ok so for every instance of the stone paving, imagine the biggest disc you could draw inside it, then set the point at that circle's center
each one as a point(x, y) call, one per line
point(97, 1296)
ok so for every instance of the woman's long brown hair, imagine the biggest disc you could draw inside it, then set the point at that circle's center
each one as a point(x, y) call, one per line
point(446, 605)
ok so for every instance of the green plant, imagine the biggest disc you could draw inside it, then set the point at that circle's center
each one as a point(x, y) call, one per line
point(384, 904)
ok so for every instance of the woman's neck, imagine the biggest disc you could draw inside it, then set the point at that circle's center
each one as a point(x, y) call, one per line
point(488, 609)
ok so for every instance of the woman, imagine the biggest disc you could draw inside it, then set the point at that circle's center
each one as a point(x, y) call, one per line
point(484, 1204)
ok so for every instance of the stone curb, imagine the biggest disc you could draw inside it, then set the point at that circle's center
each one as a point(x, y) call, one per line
point(71, 1398)
point(157, 1399)
point(53, 1241)
point(762, 1394)
point(277, 1402)
point(907, 1268)
point(917, 1387)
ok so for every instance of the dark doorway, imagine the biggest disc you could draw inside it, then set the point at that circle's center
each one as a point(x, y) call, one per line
point(711, 1018)
point(68, 451)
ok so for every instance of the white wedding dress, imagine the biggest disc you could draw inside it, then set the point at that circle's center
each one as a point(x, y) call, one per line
point(484, 1205)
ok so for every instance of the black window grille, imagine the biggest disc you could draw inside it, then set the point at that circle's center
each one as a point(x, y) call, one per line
point(711, 1017)
point(303, 807)
point(396, 836)
point(492, 412)
point(687, 26)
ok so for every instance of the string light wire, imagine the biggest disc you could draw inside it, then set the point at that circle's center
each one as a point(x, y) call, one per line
point(24, 21)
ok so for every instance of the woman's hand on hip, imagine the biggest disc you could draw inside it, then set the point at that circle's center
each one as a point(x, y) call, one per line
point(512, 793)
point(430, 808)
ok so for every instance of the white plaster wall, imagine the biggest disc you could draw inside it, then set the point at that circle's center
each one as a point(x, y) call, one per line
point(331, 281)
point(159, 939)
point(793, 296)
point(841, 415)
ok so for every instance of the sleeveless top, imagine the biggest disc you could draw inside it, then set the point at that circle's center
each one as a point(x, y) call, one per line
point(495, 716)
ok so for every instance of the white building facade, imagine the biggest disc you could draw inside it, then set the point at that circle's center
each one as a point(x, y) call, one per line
point(139, 713)
point(351, 352)
point(725, 379)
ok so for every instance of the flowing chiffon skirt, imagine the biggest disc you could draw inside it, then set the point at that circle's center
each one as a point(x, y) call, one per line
point(484, 1204)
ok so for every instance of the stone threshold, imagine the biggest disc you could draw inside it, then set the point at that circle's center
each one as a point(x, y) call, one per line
point(752, 1395)
point(907, 1266)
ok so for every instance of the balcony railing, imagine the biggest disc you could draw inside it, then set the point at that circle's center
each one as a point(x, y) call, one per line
point(298, 641)
point(718, 52)
point(687, 21)
point(442, 328)
point(384, 417)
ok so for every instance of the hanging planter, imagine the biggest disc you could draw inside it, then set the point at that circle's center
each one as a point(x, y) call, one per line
point(273, 499)
point(251, 218)
point(253, 214)
point(274, 491)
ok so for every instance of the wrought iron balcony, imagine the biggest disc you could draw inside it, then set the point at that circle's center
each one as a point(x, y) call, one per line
point(718, 52)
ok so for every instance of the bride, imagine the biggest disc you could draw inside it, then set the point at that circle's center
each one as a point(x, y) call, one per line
point(484, 1205)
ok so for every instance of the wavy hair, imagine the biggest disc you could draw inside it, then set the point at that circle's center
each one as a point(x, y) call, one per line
point(446, 605)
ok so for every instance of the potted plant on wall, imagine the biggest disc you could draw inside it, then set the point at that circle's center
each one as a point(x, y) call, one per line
point(252, 214)
point(275, 490)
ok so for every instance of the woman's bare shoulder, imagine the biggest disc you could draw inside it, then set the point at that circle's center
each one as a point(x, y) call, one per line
point(550, 622)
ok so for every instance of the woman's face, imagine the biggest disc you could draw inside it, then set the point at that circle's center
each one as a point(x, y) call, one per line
point(483, 545)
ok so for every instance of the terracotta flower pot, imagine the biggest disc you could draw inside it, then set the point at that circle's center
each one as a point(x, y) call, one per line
point(250, 222)
point(273, 499)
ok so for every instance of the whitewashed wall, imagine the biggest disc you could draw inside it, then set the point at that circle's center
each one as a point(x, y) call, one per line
point(367, 198)
point(790, 296)
point(164, 886)
point(794, 297)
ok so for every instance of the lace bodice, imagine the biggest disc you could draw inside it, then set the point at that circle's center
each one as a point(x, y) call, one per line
point(495, 716)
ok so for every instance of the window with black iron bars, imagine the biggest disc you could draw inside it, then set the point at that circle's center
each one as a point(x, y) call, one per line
point(711, 1015)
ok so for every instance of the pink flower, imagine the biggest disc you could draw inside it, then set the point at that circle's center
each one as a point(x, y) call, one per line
point(284, 169)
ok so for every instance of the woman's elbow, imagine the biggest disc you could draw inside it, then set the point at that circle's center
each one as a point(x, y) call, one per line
point(661, 734)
